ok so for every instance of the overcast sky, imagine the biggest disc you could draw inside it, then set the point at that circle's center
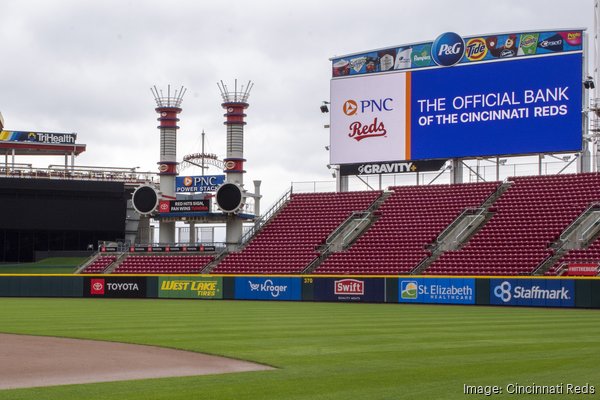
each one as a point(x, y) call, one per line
point(87, 67)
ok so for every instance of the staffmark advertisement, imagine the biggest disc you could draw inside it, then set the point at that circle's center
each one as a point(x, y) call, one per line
point(115, 287)
point(190, 287)
point(532, 292)
point(258, 288)
point(349, 289)
point(437, 290)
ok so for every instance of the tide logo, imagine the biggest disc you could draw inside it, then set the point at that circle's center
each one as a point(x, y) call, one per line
point(350, 107)
point(476, 50)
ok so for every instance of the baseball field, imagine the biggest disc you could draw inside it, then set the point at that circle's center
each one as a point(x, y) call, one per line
point(325, 350)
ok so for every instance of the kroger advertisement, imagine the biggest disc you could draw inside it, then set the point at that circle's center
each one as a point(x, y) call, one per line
point(437, 290)
point(523, 106)
point(532, 292)
point(271, 288)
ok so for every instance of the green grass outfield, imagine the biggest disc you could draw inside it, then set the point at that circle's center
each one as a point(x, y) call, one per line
point(325, 350)
point(54, 265)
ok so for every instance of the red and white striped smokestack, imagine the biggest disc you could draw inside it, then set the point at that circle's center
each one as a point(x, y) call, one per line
point(168, 107)
point(234, 103)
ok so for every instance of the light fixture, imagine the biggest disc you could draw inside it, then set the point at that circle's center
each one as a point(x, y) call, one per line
point(328, 166)
point(589, 83)
point(327, 148)
point(324, 108)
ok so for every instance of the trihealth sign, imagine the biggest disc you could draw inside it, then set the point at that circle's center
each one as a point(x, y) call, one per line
point(437, 290)
point(198, 184)
point(190, 287)
point(532, 292)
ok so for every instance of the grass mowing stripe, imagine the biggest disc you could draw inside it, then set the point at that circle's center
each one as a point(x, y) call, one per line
point(323, 350)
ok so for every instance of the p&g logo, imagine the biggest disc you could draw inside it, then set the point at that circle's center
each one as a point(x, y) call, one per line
point(448, 49)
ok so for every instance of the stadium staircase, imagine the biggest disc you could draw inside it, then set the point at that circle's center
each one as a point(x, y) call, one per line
point(531, 216)
point(99, 264)
point(410, 219)
point(288, 243)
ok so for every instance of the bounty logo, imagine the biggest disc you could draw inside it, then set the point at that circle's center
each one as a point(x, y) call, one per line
point(448, 49)
point(409, 290)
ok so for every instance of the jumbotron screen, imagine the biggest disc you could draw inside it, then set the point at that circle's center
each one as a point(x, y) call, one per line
point(510, 94)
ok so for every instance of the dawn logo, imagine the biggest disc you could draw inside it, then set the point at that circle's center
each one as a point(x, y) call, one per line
point(448, 49)
point(409, 290)
point(350, 107)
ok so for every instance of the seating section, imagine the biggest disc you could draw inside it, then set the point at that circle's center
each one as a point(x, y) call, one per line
point(411, 218)
point(99, 265)
point(163, 264)
point(288, 243)
point(589, 255)
point(529, 216)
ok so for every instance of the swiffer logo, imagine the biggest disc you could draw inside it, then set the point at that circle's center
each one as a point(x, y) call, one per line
point(506, 293)
point(350, 286)
point(448, 49)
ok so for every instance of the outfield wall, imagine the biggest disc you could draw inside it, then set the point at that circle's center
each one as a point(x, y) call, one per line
point(499, 291)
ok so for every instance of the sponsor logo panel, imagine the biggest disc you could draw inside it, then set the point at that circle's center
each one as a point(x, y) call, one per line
point(122, 287)
point(437, 290)
point(476, 49)
point(190, 287)
point(38, 137)
point(532, 292)
point(198, 184)
point(391, 167)
point(349, 289)
point(270, 288)
point(448, 49)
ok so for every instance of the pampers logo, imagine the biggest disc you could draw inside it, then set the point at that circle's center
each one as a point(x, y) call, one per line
point(448, 49)
point(506, 293)
point(409, 290)
point(268, 287)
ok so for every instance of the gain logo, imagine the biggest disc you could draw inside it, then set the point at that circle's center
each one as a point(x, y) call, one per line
point(476, 49)
point(448, 49)
point(350, 107)
point(409, 290)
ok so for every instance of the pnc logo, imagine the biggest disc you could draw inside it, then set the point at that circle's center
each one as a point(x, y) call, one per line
point(448, 49)
point(188, 181)
point(350, 107)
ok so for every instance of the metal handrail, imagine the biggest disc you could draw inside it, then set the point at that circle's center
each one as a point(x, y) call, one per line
point(344, 224)
point(466, 211)
point(266, 216)
point(364, 219)
point(573, 225)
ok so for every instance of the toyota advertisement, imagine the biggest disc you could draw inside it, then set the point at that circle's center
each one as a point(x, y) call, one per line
point(513, 104)
point(532, 292)
point(115, 287)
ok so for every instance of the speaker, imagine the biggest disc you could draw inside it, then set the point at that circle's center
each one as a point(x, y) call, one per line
point(230, 198)
point(145, 199)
